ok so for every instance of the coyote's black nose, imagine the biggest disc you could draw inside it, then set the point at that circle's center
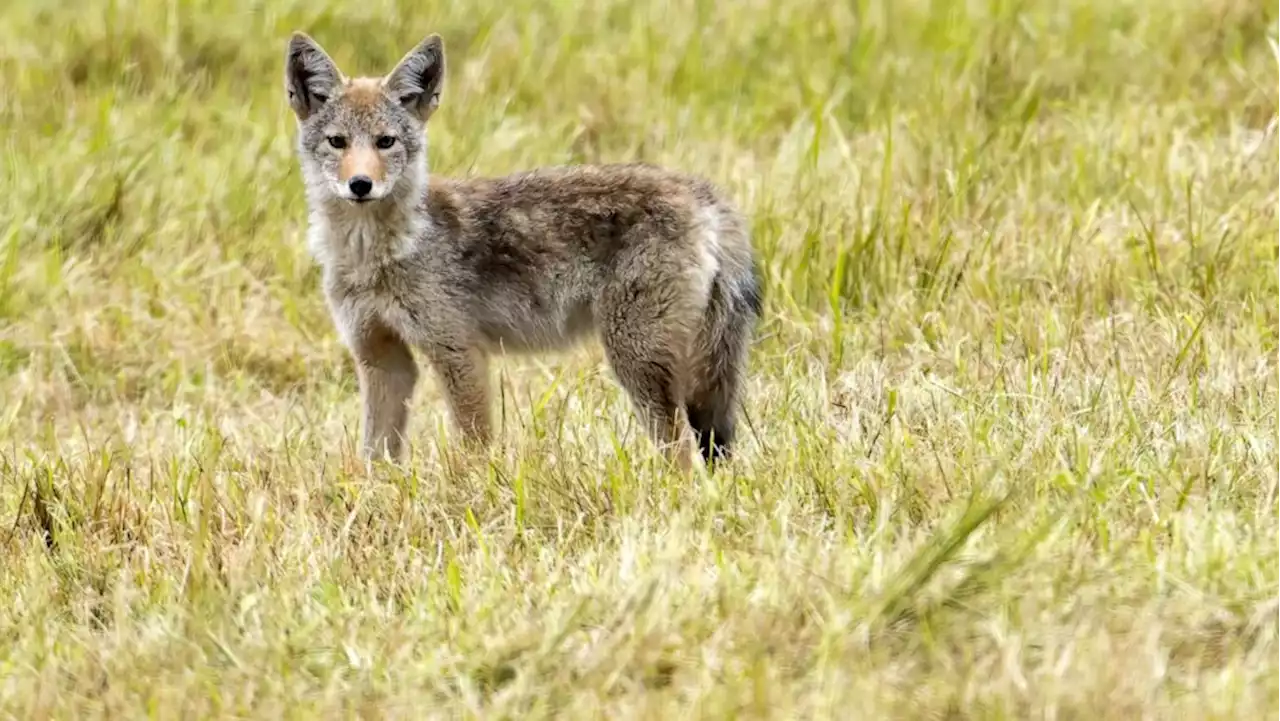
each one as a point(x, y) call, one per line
point(360, 185)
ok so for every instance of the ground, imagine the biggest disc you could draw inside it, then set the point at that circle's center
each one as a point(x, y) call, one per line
point(1009, 446)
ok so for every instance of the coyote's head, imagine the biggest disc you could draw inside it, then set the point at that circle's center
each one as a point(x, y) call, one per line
point(362, 140)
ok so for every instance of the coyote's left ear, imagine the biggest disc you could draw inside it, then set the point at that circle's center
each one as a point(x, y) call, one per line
point(417, 80)
point(310, 75)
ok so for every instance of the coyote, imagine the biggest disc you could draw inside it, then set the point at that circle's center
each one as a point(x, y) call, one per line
point(657, 264)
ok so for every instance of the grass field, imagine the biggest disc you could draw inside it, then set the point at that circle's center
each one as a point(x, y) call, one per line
point(1010, 444)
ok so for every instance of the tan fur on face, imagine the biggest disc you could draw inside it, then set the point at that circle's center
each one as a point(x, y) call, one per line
point(364, 161)
point(364, 92)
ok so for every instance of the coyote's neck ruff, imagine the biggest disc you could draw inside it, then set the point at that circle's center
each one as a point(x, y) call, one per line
point(656, 264)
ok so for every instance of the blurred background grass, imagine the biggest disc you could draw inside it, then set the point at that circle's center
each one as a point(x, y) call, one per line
point(1015, 250)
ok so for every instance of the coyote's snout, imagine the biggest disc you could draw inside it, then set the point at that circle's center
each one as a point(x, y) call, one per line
point(656, 264)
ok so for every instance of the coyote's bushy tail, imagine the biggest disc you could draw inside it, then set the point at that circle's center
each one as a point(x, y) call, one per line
point(733, 307)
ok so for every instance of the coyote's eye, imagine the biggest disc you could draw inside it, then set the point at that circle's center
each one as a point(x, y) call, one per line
point(386, 141)
point(337, 141)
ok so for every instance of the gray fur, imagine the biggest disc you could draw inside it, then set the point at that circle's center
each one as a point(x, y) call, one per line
point(656, 264)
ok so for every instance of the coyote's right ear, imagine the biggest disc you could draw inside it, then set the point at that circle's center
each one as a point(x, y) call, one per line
point(417, 79)
point(311, 77)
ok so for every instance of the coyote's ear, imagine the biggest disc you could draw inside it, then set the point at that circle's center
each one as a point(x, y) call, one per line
point(311, 77)
point(416, 81)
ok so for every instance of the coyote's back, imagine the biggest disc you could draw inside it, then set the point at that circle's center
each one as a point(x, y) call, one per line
point(657, 263)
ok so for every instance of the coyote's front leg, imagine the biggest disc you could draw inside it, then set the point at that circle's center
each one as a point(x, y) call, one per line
point(387, 374)
point(464, 379)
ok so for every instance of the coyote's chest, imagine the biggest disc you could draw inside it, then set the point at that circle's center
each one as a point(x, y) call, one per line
point(370, 277)
point(383, 297)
